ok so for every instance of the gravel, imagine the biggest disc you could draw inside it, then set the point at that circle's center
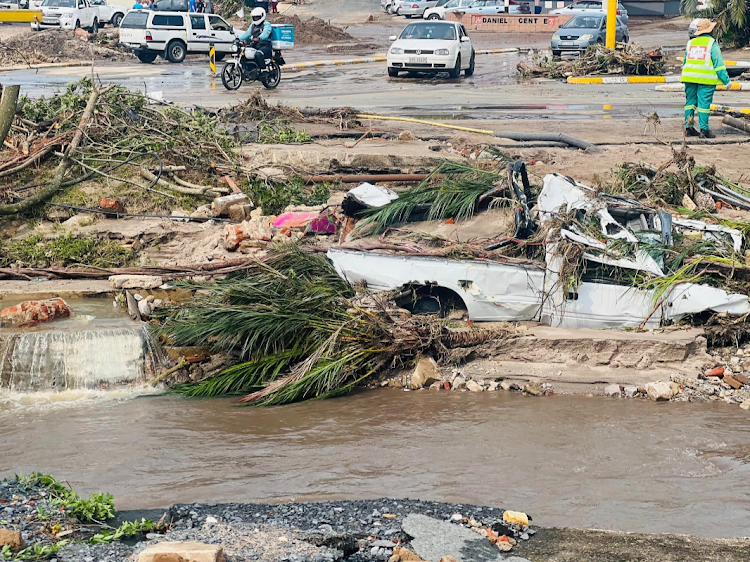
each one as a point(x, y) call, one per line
point(290, 532)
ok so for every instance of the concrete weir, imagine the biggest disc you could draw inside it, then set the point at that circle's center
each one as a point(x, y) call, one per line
point(575, 359)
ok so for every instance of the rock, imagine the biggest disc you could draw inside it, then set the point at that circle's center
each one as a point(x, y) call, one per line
point(459, 383)
point(11, 539)
point(144, 307)
point(29, 313)
point(740, 378)
point(151, 299)
point(735, 361)
point(504, 546)
point(675, 388)
point(745, 405)
point(138, 297)
point(112, 206)
point(612, 390)
point(221, 205)
point(188, 551)
point(506, 385)
point(534, 389)
point(659, 391)
point(80, 219)
point(474, 386)
point(135, 281)
point(401, 554)
point(82, 33)
point(492, 387)
point(732, 381)
point(436, 386)
point(171, 557)
point(448, 559)
point(630, 391)
point(239, 213)
point(425, 373)
point(405, 136)
point(517, 519)
point(211, 520)
point(457, 517)
point(257, 228)
point(434, 539)
point(204, 211)
point(382, 543)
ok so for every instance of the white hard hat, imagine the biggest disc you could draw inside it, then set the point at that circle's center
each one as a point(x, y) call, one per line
point(258, 15)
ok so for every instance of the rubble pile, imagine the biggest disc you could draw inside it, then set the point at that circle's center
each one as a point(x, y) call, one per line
point(626, 58)
point(312, 31)
point(56, 45)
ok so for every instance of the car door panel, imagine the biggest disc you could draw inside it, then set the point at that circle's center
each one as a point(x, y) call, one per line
point(221, 34)
point(199, 39)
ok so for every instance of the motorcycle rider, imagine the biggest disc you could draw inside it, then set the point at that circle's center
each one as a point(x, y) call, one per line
point(259, 35)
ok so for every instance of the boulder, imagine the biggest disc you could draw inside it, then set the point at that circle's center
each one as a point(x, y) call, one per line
point(741, 378)
point(658, 391)
point(135, 281)
point(11, 539)
point(188, 551)
point(436, 386)
point(169, 557)
point(612, 390)
point(29, 313)
point(732, 381)
point(507, 385)
point(145, 308)
point(401, 554)
point(534, 389)
point(221, 205)
point(459, 383)
point(239, 213)
point(474, 386)
point(745, 405)
point(630, 391)
point(425, 373)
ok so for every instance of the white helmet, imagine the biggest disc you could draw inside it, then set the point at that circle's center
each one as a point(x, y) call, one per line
point(693, 28)
point(258, 15)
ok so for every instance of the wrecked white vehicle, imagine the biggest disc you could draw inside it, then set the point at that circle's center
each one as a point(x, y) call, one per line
point(621, 264)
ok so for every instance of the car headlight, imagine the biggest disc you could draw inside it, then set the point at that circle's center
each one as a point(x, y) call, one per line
point(556, 36)
point(587, 37)
point(66, 16)
point(235, 48)
point(397, 51)
point(442, 52)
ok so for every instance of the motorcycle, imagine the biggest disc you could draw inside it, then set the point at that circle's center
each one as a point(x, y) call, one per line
point(241, 67)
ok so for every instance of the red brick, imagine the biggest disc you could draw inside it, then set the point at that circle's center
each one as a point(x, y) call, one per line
point(731, 381)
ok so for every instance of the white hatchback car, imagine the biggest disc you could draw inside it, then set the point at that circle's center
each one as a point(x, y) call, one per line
point(432, 47)
point(443, 6)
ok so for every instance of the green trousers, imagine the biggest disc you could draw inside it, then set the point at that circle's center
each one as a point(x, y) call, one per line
point(698, 96)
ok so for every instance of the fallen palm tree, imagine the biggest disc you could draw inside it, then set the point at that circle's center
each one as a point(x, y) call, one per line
point(626, 58)
point(298, 331)
point(452, 191)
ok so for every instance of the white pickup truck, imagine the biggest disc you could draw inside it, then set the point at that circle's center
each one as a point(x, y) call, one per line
point(109, 13)
point(68, 14)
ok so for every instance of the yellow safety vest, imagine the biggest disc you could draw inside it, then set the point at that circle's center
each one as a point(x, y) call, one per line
point(698, 67)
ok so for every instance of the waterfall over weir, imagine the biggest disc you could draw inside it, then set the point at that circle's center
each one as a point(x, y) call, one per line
point(87, 357)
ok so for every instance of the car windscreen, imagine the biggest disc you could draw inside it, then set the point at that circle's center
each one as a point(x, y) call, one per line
point(584, 22)
point(444, 2)
point(135, 20)
point(444, 31)
point(59, 3)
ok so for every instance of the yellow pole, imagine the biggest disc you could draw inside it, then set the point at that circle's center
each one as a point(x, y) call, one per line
point(611, 23)
point(212, 58)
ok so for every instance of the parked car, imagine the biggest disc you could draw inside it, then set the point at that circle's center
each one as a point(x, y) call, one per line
point(14, 5)
point(415, 7)
point(109, 13)
point(438, 11)
point(585, 7)
point(581, 31)
point(174, 35)
point(491, 7)
point(67, 14)
point(432, 47)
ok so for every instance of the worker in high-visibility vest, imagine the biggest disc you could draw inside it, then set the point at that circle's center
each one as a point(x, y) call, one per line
point(702, 70)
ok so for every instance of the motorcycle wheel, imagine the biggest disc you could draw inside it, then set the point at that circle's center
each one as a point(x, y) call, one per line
point(272, 76)
point(231, 76)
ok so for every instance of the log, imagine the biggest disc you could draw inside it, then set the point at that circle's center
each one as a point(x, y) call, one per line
point(204, 192)
point(739, 124)
point(8, 104)
point(57, 181)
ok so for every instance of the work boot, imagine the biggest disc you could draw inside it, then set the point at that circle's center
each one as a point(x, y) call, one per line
point(691, 132)
point(707, 134)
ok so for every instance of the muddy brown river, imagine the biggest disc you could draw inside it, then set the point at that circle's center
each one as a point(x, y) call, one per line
point(626, 465)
